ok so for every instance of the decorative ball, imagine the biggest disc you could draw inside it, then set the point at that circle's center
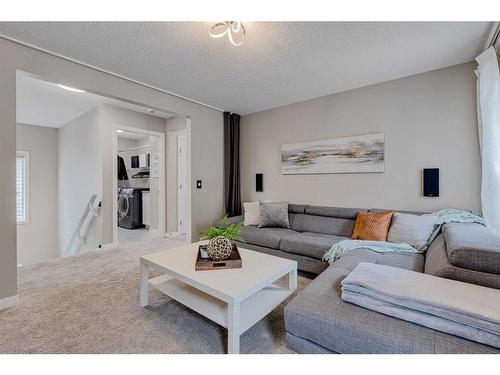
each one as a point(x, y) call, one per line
point(219, 248)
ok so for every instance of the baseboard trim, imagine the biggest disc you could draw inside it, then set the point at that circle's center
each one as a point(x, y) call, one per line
point(155, 232)
point(109, 246)
point(172, 234)
point(8, 302)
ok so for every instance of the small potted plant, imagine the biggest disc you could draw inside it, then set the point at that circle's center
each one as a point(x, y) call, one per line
point(220, 246)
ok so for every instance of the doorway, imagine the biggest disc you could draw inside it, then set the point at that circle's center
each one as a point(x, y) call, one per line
point(70, 156)
point(139, 178)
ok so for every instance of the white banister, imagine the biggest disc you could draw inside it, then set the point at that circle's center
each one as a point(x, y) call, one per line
point(80, 234)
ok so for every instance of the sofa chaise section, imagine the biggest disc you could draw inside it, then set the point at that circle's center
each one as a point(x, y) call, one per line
point(438, 263)
point(319, 321)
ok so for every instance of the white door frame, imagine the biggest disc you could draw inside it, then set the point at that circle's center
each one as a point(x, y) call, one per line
point(161, 178)
point(182, 135)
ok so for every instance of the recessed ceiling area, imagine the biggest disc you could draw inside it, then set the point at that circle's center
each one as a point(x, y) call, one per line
point(279, 63)
point(43, 103)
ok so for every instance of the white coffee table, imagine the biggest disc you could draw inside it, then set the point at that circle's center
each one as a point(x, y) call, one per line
point(234, 298)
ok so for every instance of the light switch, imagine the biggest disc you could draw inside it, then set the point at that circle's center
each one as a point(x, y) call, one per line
point(198, 184)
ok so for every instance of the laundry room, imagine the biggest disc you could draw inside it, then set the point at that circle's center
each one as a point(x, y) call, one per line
point(138, 169)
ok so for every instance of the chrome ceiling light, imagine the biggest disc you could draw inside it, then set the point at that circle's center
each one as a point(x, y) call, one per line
point(233, 29)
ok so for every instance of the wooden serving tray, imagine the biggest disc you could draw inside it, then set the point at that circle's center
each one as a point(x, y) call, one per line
point(234, 261)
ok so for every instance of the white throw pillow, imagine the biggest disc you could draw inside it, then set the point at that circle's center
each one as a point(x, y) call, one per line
point(413, 230)
point(251, 213)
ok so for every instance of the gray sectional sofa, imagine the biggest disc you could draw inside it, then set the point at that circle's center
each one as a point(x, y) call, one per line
point(317, 320)
point(313, 230)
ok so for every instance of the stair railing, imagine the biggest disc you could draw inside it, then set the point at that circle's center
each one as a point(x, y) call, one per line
point(79, 236)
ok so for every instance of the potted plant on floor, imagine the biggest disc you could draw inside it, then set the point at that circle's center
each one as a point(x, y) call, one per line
point(220, 246)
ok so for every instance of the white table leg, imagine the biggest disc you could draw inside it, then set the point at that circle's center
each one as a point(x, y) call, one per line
point(144, 287)
point(233, 328)
point(292, 279)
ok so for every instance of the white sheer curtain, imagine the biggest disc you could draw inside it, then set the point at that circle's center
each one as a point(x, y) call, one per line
point(488, 105)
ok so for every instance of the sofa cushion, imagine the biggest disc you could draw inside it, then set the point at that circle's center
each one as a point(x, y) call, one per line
point(372, 226)
point(310, 244)
point(415, 230)
point(318, 314)
point(437, 263)
point(268, 237)
point(304, 263)
point(291, 219)
point(300, 345)
point(472, 246)
point(274, 215)
point(414, 262)
point(297, 208)
point(322, 224)
point(339, 212)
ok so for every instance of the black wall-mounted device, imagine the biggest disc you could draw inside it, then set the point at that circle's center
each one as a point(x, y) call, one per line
point(134, 161)
point(431, 182)
point(198, 184)
point(259, 183)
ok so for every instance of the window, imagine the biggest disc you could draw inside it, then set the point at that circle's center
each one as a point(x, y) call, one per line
point(22, 187)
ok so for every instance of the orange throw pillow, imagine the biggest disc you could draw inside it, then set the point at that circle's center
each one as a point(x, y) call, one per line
point(372, 226)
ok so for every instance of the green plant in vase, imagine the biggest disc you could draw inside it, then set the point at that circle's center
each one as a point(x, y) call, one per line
point(220, 237)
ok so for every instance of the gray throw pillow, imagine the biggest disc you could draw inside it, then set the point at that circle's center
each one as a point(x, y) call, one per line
point(413, 230)
point(274, 214)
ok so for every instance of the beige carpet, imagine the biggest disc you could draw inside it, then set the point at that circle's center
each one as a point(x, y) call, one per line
point(89, 304)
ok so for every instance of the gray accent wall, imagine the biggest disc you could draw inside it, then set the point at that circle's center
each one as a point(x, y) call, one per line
point(205, 131)
point(38, 240)
point(429, 120)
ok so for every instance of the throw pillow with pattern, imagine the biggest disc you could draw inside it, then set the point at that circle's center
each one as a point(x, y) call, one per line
point(372, 226)
point(274, 214)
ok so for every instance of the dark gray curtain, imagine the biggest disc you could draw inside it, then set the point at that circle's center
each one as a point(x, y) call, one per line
point(232, 187)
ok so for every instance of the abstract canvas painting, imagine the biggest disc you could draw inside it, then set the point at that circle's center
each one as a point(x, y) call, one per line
point(357, 154)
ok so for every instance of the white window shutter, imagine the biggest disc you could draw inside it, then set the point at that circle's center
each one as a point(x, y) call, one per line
point(21, 187)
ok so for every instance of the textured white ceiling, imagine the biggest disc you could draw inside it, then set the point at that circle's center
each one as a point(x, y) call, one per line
point(280, 62)
point(44, 103)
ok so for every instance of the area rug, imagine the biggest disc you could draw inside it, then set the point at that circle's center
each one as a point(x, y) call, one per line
point(90, 304)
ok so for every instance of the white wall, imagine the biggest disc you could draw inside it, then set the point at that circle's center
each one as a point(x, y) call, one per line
point(205, 132)
point(429, 120)
point(80, 176)
point(38, 240)
point(125, 144)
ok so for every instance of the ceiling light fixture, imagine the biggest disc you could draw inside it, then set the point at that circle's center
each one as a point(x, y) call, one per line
point(72, 89)
point(119, 131)
point(235, 31)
